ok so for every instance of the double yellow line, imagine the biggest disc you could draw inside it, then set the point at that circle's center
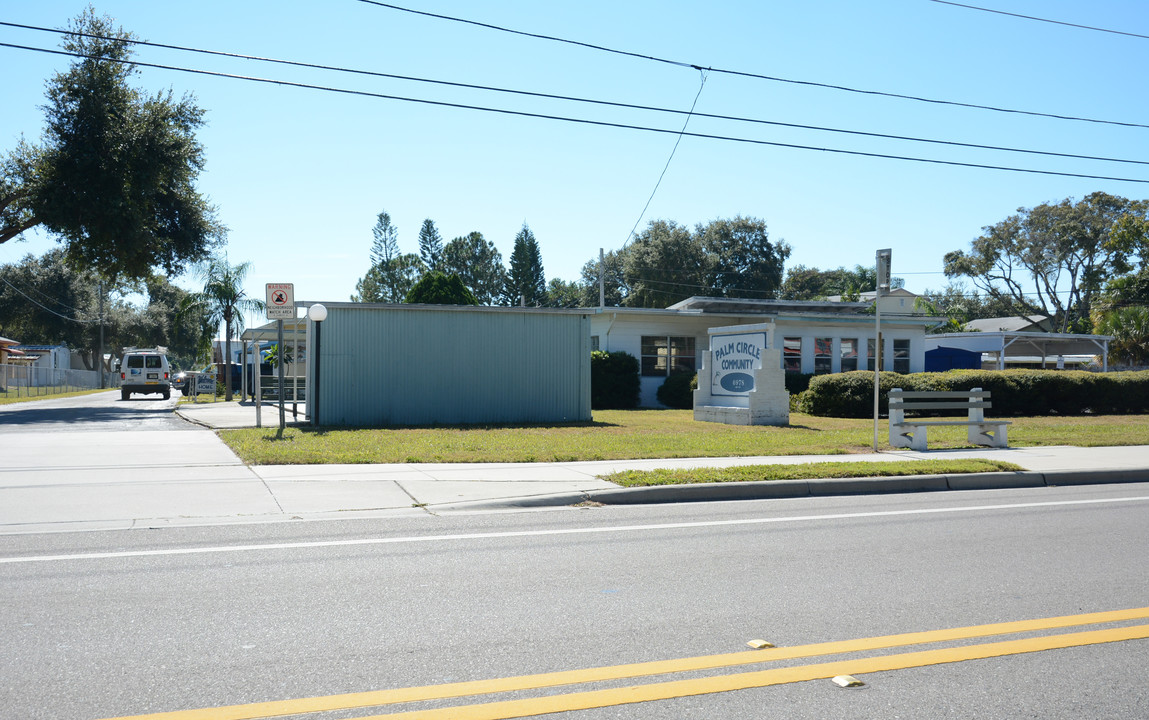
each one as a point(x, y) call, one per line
point(701, 686)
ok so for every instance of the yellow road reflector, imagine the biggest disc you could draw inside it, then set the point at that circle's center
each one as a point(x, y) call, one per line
point(760, 644)
point(847, 681)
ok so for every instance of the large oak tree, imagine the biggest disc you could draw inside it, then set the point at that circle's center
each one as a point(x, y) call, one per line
point(115, 176)
point(1053, 259)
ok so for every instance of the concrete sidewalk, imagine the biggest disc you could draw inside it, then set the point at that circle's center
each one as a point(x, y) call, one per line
point(103, 481)
point(443, 486)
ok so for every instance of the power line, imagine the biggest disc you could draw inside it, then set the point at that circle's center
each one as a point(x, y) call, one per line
point(1040, 19)
point(585, 121)
point(757, 76)
point(47, 309)
point(591, 101)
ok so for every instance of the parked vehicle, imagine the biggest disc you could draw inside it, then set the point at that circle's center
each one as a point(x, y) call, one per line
point(145, 372)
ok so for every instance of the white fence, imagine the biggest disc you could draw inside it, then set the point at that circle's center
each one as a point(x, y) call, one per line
point(27, 381)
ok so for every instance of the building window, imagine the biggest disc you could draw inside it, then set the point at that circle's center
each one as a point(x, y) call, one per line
point(594, 343)
point(792, 354)
point(662, 355)
point(849, 354)
point(823, 351)
point(902, 356)
point(871, 354)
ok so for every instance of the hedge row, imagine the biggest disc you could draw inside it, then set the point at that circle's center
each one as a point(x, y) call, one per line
point(614, 381)
point(1013, 392)
point(677, 391)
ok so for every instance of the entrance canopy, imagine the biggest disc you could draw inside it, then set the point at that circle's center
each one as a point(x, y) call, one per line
point(1016, 345)
point(295, 329)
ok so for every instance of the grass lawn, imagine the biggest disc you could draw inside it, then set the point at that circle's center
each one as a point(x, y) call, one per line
point(805, 471)
point(12, 395)
point(631, 434)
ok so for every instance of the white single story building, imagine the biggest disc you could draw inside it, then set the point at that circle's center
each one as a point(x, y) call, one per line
point(815, 337)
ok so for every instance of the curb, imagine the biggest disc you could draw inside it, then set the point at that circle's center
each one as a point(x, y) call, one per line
point(822, 487)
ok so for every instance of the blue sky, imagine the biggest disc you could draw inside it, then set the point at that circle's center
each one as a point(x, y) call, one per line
point(299, 175)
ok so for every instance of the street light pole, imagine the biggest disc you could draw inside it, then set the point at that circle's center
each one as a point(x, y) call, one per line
point(317, 313)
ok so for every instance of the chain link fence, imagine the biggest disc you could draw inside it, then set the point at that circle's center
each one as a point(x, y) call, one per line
point(21, 380)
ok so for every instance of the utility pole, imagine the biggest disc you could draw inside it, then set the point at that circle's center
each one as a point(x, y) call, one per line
point(883, 272)
point(100, 355)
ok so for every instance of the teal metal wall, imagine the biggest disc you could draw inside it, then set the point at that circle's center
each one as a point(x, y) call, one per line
point(424, 365)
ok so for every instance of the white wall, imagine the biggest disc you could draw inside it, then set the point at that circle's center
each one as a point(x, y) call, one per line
point(622, 330)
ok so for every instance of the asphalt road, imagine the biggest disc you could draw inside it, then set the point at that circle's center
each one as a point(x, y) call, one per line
point(109, 624)
point(98, 412)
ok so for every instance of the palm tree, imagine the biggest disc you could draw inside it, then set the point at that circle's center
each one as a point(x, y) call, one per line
point(224, 301)
point(1129, 327)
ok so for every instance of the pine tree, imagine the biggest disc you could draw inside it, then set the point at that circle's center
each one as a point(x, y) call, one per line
point(385, 247)
point(430, 245)
point(526, 282)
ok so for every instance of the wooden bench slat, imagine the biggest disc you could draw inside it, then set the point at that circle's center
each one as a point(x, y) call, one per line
point(940, 406)
point(911, 422)
point(917, 394)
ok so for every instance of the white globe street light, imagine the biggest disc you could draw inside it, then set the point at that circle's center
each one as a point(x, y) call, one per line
point(317, 314)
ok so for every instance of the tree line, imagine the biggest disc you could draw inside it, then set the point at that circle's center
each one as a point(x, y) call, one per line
point(471, 258)
point(665, 263)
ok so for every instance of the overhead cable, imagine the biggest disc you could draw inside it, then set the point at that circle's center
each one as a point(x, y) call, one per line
point(591, 101)
point(584, 121)
point(1040, 19)
point(47, 309)
point(757, 76)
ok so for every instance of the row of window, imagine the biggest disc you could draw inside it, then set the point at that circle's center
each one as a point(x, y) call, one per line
point(666, 354)
point(848, 354)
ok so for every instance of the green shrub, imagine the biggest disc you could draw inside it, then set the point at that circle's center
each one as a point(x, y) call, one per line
point(848, 394)
point(678, 390)
point(1012, 392)
point(797, 383)
point(614, 380)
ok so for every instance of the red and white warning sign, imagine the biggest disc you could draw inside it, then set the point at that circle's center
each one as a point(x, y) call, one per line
point(280, 301)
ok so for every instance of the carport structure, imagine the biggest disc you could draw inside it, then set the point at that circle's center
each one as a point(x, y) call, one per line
point(1014, 345)
point(294, 343)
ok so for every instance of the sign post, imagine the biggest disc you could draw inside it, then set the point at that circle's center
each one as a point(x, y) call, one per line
point(280, 307)
point(883, 271)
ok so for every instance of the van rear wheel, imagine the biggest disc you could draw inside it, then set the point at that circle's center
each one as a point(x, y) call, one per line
point(125, 395)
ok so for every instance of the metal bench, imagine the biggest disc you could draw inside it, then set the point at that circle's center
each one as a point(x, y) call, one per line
point(911, 433)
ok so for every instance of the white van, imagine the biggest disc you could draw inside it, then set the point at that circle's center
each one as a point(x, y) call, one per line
point(145, 372)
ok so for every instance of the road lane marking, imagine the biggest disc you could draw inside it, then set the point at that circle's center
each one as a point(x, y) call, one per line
point(542, 533)
point(762, 678)
point(376, 698)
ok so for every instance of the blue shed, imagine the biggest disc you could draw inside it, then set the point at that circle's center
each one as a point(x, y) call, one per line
point(941, 359)
point(387, 365)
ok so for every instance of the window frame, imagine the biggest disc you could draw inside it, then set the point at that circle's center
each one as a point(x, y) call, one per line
point(823, 355)
point(848, 360)
point(901, 353)
point(671, 354)
point(792, 354)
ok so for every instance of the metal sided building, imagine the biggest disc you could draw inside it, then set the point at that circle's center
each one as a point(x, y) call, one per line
point(391, 365)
